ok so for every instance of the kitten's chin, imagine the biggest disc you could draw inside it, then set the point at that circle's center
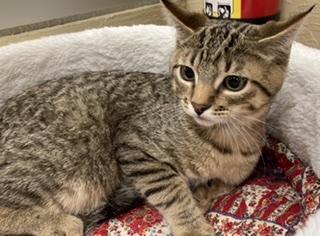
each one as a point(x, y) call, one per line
point(205, 122)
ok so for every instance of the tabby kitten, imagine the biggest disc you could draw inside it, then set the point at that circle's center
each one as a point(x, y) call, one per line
point(69, 146)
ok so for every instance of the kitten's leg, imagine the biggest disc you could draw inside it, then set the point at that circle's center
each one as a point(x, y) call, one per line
point(165, 189)
point(204, 194)
point(38, 222)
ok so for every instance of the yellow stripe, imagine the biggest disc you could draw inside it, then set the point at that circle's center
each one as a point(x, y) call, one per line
point(236, 9)
point(235, 5)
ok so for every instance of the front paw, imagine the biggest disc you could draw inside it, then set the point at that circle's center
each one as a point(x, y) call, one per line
point(203, 229)
point(206, 193)
point(66, 225)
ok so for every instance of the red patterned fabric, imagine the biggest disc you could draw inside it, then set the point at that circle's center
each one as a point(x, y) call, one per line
point(275, 200)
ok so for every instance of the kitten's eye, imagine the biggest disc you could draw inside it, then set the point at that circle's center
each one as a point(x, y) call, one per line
point(187, 73)
point(235, 83)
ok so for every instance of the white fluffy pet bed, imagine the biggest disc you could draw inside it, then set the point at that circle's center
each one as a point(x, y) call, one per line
point(295, 116)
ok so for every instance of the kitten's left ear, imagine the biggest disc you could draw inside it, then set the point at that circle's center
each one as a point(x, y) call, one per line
point(279, 36)
point(185, 22)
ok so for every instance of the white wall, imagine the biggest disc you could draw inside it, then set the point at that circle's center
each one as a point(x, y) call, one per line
point(23, 12)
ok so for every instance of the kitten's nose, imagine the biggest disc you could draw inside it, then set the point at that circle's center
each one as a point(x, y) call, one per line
point(200, 108)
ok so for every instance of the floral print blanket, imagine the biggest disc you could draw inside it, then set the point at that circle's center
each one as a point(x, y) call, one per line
point(276, 200)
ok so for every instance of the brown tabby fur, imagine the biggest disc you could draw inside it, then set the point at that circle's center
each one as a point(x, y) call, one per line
point(72, 147)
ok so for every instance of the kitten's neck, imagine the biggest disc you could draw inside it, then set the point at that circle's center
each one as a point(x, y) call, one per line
point(235, 138)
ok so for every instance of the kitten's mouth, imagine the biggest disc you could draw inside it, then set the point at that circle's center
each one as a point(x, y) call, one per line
point(204, 121)
point(209, 122)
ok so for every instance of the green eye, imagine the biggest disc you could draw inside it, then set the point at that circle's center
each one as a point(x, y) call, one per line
point(234, 83)
point(187, 73)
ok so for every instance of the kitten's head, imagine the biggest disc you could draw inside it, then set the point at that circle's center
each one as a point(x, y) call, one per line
point(226, 70)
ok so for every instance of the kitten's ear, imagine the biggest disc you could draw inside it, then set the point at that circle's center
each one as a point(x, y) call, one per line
point(185, 22)
point(279, 36)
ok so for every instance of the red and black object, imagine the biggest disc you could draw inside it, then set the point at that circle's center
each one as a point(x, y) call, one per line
point(260, 11)
point(255, 11)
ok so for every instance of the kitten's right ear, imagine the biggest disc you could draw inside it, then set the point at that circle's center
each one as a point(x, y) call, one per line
point(278, 36)
point(186, 23)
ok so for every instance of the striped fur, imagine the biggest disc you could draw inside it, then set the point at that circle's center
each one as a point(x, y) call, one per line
point(75, 149)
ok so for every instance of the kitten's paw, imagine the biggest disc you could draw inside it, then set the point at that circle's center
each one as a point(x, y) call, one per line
point(206, 193)
point(198, 230)
point(203, 199)
point(72, 226)
point(66, 226)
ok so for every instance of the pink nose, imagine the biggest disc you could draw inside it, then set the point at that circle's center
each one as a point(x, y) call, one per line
point(200, 108)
